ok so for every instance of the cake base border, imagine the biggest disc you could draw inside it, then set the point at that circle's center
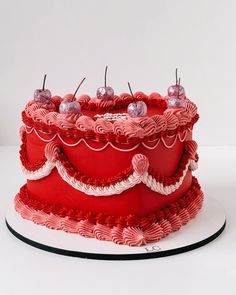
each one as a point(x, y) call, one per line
point(192, 236)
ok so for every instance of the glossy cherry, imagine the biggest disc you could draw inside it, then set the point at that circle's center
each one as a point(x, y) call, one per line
point(176, 90)
point(105, 92)
point(42, 95)
point(136, 109)
point(69, 104)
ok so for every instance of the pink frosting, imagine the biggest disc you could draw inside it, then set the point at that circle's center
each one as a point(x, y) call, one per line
point(39, 114)
point(182, 116)
point(131, 235)
point(134, 236)
point(66, 121)
point(153, 233)
point(31, 107)
point(166, 227)
point(198, 201)
point(131, 127)
point(102, 126)
point(161, 122)
point(176, 222)
point(117, 235)
point(118, 128)
point(140, 164)
point(191, 108)
point(85, 228)
point(85, 123)
point(69, 225)
point(102, 232)
point(149, 125)
point(39, 218)
point(193, 209)
point(52, 150)
point(51, 222)
point(50, 118)
point(184, 215)
point(171, 119)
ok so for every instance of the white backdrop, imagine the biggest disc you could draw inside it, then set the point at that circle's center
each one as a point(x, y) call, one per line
point(141, 41)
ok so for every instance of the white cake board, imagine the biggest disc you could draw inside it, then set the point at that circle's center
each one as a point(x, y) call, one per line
point(205, 227)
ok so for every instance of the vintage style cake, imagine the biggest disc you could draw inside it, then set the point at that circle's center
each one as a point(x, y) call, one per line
point(115, 168)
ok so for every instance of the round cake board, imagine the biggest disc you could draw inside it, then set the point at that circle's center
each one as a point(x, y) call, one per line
point(204, 228)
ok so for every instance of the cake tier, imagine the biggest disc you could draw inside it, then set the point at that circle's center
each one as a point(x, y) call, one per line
point(130, 230)
point(116, 180)
point(94, 123)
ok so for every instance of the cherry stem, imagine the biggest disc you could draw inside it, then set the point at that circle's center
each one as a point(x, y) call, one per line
point(105, 77)
point(44, 80)
point(178, 88)
point(176, 76)
point(78, 87)
point(130, 90)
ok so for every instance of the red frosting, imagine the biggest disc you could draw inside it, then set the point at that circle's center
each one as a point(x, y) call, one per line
point(105, 164)
point(131, 230)
point(159, 145)
point(166, 212)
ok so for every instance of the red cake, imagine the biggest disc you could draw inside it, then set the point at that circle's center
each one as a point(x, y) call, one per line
point(107, 173)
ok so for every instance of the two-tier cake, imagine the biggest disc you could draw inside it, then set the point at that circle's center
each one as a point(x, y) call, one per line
point(115, 168)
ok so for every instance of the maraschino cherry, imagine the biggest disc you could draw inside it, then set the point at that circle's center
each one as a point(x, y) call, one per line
point(42, 95)
point(176, 94)
point(176, 90)
point(69, 104)
point(136, 109)
point(105, 92)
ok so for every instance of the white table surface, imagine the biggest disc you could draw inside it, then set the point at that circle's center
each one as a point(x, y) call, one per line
point(210, 269)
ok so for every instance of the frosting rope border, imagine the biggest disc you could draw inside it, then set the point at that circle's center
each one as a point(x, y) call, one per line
point(138, 172)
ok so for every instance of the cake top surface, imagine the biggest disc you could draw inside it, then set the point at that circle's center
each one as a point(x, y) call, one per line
point(108, 120)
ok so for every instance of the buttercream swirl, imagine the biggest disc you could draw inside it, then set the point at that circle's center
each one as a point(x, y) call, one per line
point(50, 118)
point(102, 126)
point(140, 164)
point(52, 150)
point(161, 122)
point(85, 123)
point(132, 128)
point(171, 119)
point(66, 121)
point(118, 128)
